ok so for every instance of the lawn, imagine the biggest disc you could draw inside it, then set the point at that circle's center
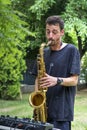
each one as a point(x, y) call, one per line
point(80, 118)
point(21, 108)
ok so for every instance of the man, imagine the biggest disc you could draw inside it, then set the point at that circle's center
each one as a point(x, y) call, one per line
point(62, 63)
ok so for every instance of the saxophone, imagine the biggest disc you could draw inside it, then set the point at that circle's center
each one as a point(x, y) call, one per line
point(37, 99)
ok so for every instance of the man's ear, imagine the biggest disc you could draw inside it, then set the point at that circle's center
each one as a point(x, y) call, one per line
point(62, 32)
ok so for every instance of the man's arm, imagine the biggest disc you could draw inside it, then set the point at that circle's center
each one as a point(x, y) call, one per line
point(52, 81)
point(70, 81)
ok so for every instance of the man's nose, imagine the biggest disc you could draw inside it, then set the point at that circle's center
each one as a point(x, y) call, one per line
point(51, 35)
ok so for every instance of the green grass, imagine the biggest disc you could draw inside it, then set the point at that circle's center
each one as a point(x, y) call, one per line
point(21, 108)
point(80, 117)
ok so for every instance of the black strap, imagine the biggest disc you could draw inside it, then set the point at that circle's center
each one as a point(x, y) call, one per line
point(47, 52)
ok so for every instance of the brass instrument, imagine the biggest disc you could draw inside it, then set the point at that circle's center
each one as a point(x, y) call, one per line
point(37, 99)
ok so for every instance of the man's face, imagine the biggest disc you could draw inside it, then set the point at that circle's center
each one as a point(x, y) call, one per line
point(54, 33)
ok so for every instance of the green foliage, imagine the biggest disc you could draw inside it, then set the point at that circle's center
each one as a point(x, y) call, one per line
point(12, 64)
point(73, 25)
point(37, 11)
point(76, 23)
point(76, 27)
point(41, 7)
point(84, 68)
point(5, 2)
point(23, 6)
point(74, 13)
point(10, 91)
point(13, 32)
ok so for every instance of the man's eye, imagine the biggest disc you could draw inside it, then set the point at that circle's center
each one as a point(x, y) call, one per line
point(48, 32)
point(55, 32)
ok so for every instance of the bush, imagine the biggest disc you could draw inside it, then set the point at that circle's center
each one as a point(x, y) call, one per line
point(10, 91)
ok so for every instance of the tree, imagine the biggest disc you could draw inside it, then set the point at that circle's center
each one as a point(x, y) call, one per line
point(73, 12)
point(76, 23)
point(76, 27)
point(12, 50)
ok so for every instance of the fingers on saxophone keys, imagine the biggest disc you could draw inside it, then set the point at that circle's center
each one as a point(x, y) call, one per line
point(44, 83)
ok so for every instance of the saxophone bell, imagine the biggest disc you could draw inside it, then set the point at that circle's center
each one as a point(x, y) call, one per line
point(36, 99)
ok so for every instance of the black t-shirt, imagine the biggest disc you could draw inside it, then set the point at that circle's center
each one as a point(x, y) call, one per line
point(60, 99)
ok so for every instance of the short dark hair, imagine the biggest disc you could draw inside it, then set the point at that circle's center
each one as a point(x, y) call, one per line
point(55, 20)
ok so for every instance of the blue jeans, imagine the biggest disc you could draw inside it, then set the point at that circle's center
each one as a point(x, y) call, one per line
point(62, 125)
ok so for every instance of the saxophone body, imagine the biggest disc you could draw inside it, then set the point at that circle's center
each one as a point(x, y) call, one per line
point(37, 99)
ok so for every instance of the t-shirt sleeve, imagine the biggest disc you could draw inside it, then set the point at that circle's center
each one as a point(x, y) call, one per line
point(75, 66)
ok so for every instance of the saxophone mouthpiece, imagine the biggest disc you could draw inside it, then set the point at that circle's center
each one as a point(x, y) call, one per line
point(49, 43)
